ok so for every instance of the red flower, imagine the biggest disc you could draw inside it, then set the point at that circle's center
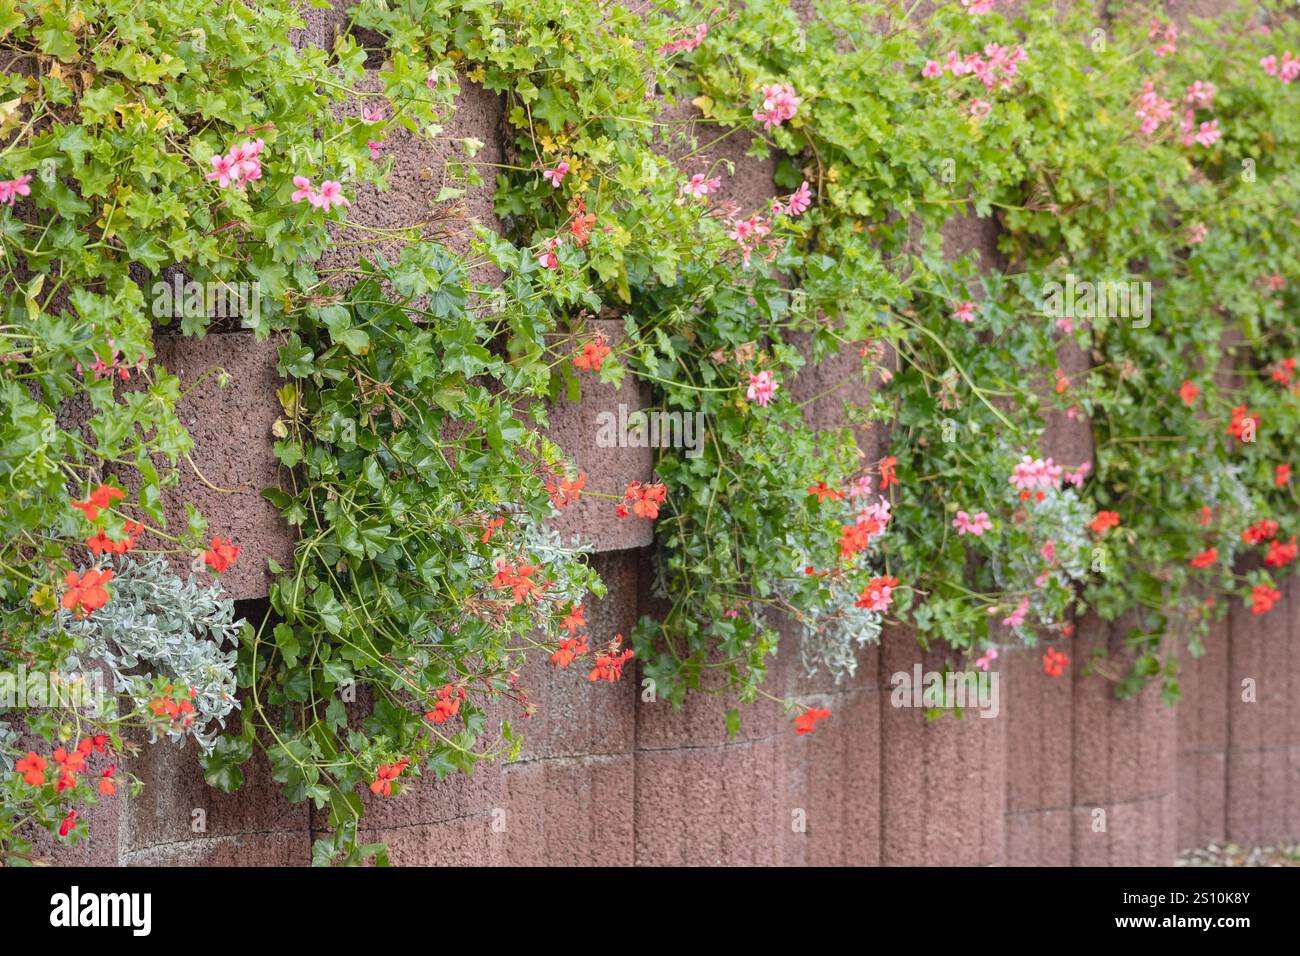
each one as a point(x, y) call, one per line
point(1207, 515)
point(609, 666)
point(1259, 532)
point(385, 776)
point(1104, 520)
point(1284, 370)
point(645, 499)
point(107, 786)
point(887, 476)
point(823, 492)
point(448, 705)
point(1062, 383)
point(1206, 558)
point(1188, 393)
point(581, 223)
point(222, 555)
point(593, 354)
point(68, 823)
point(878, 594)
point(519, 580)
point(32, 767)
point(102, 544)
point(1262, 598)
point(1244, 426)
point(853, 538)
point(806, 722)
point(1283, 475)
point(573, 620)
point(570, 649)
point(101, 497)
point(490, 528)
point(1055, 662)
point(86, 593)
point(568, 491)
point(1279, 554)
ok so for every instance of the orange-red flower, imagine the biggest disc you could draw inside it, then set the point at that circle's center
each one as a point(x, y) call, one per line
point(1104, 520)
point(385, 776)
point(1188, 393)
point(86, 593)
point(448, 705)
point(1244, 426)
point(1283, 475)
point(806, 722)
point(887, 474)
point(102, 544)
point(68, 823)
point(1262, 598)
point(1206, 558)
point(569, 651)
point(609, 666)
point(221, 555)
point(101, 498)
point(822, 491)
point(519, 580)
point(1279, 554)
point(107, 785)
point(568, 491)
point(573, 620)
point(1055, 662)
point(645, 499)
point(32, 767)
point(1259, 532)
point(593, 354)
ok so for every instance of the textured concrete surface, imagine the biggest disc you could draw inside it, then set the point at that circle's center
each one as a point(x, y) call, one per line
point(576, 427)
point(233, 458)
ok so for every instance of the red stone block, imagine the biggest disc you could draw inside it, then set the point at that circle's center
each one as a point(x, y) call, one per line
point(576, 428)
point(569, 812)
point(261, 849)
point(233, 460)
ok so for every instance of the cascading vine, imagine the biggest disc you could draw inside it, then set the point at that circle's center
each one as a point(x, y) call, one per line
point(1142, 178)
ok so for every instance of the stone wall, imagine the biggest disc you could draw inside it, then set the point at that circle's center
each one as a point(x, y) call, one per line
point(1066, 774)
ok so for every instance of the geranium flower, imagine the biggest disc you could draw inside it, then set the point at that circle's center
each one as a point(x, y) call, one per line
point(490, 528)
point(645, 499)
point(593, 354)
point(1104, 520)
point(887, 474)
point(1244, 426)
point(1206, 558)
point(11, 189)
point(385, 775)
point(779, 104)
point(609, 666)
point(1283, 475)
point(571, 648)
point(221, 555)
point(448, 705)
point(68, 823)
point(1260, 531)
point(1279, 554)
point(878, 594)
point(1188, 393)
point(574, 619)
point(32, 767)
point(762, 386)
point(1262, 598)
point(101, 498)
point(822, 491)
point(1017, 617)
point(985, 660)
point(1055, 662)
point(806, 722)
point(556, 176)
point(86, 593)
point(699, 186)
point(568, 491)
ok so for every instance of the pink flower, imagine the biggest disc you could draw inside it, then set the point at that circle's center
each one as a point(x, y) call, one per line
point(686, 43)
point(1196, 233)
point(700, 185)
point(1269, 63)
point(1209, 133)
point(779, 104)
point(975, 524)
point(374, 148)
point(547, 258)
point(965, 311)
point(1152, 109)
point(977, 7)
point(932, 69)
point(11, 189)
point(1200, 94)
point(1076, 477)
point(1290, 68)
point(800, 200)
point(331, 193)
point(980, 109)
point(304, 190)
point(223, 171)
point(987, 658)
point(376, 115)
point(749, 234)
point(874, 519)
point(431, 80)
point(762, 387)
point(1036, 473)
point(556, 176)
point(1017, 617)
